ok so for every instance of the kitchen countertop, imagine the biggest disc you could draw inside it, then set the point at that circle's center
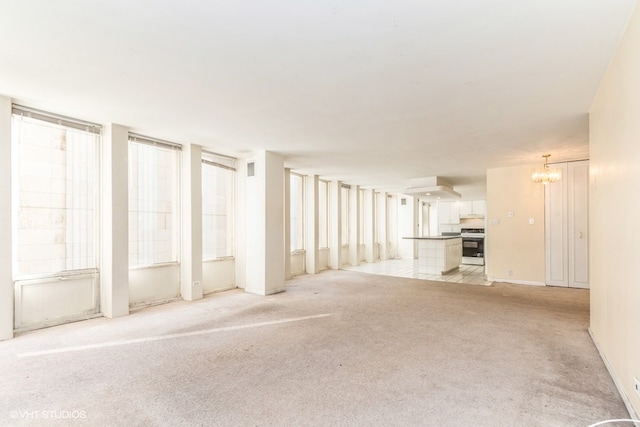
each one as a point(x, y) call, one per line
point(433, 237)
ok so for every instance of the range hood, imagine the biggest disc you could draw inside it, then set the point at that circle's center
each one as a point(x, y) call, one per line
point(432, 188)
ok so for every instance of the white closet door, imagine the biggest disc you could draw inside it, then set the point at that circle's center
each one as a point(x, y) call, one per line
point(555, 197)
point(578, 225)
point(566, 226)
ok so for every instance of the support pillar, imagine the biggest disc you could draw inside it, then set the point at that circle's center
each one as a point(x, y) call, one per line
point(354, 225)
point(287, 223)
point(369, 224)
point(114, 268)
point(265, 220)
point(335, 229)
point(383, 239)
point(312, 250)
point(191, 254)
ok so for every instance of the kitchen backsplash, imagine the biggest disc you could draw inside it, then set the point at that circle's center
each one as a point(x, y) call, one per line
point(464, 223)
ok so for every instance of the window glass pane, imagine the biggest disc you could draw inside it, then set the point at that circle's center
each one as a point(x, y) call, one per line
point(217, 212)
point(153, 204)
point(55, 197)
point(323, 213)
point(297, 211)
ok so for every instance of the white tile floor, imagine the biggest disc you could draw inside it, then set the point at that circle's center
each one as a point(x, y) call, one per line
point(471, 274)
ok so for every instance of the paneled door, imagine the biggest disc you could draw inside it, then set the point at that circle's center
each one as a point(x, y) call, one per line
point(566, 227)
point(578, 224)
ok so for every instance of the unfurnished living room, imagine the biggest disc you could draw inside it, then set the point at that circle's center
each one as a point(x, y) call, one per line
point(317, 213)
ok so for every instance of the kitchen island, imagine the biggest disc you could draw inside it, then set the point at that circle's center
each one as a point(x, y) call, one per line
point(438, 254)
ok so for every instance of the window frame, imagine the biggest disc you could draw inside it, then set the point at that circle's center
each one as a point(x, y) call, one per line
point(176, 212)
point(226, 163)
point(67, 124)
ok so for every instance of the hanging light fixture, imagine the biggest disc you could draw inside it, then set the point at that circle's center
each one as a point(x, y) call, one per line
point(546, 174)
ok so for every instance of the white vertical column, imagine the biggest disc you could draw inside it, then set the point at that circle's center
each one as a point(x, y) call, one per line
point(240, 224)
point(114, 268)
point(287, 223)
point(265, 248)
point(335, 230)
point(6, 269)
point(191, 259)
point(311, 225)
point(417, 212)
point(354, 225)
point(381, 221)
point(392, 226)
point(369, 224)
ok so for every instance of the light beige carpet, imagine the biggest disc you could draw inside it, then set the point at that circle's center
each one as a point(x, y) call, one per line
point(338, 348)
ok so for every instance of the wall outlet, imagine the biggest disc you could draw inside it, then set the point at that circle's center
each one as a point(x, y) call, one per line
point(196, 284)
point(636, 385)
point(509, 273)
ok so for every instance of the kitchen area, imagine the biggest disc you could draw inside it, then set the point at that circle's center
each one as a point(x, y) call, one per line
point(464, 219)
point(449, 246)
point(440, 235)
point(451, 235)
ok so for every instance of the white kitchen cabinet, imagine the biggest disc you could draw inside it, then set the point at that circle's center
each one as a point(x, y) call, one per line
point(472, 208)
point(448, 212)
point(566, 226)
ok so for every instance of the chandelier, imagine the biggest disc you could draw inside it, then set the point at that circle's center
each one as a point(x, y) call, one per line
point(546, 174)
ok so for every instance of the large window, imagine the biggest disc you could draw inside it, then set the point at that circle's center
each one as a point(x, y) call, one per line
point(297, 211)
point(55, 193)
point(323, 214)
point(218, 183)
point(154, 184)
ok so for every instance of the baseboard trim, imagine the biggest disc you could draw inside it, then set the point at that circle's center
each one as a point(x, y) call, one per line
point(621, 391)
point(515, 282)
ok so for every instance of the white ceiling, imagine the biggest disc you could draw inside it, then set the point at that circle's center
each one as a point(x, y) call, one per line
point(372, 92)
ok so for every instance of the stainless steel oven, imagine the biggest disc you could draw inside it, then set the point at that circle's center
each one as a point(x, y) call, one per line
point(472, 246)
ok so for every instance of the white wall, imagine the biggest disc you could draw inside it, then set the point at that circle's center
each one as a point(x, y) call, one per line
point(298, 263)
point(514, 249)
point(407, 227)
point(155, 284)
point(49, 301)
point(323, 259)
point(6, 275)
point(218, 275)
point(614, 211)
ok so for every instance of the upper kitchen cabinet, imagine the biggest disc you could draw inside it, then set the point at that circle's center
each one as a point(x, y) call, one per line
point(473, 209)
point(448, 216)
point(448, 212)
